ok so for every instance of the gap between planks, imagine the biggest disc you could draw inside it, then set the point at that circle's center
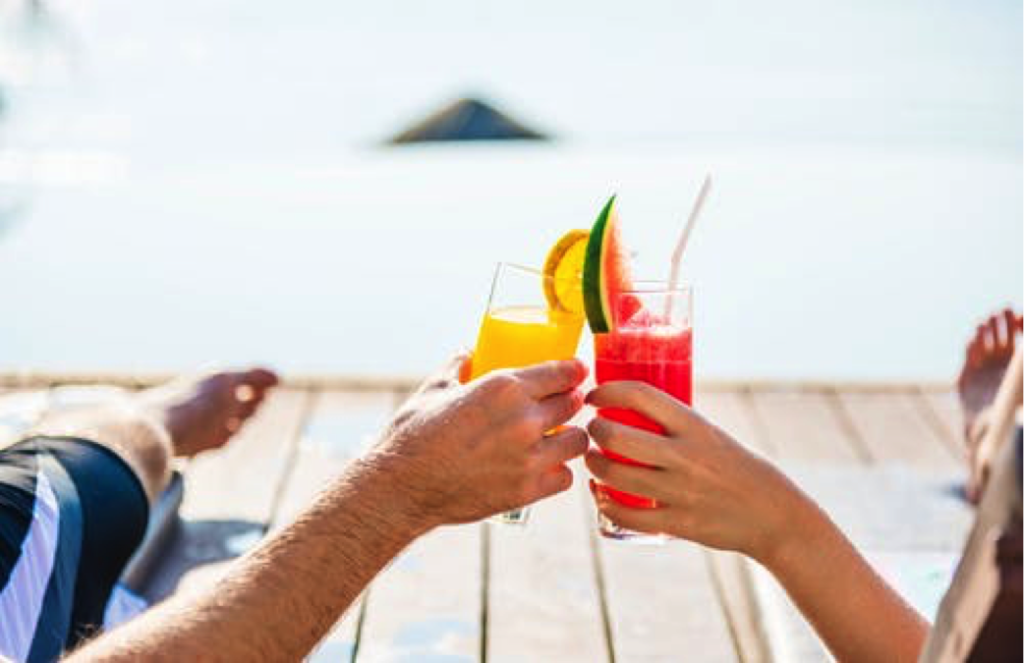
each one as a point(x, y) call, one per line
point(312, 399)
point(599, 581)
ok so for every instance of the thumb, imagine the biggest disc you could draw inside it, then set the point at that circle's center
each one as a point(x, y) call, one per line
point(448, 375)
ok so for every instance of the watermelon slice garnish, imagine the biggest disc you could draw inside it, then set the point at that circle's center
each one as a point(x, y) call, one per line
point(606, 274)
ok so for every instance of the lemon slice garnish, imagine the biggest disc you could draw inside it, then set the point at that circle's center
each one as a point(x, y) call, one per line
point(563, 272)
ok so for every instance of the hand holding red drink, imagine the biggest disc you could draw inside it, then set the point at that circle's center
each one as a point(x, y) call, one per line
point(651, 351)
point(642, 333)
point(708, 487)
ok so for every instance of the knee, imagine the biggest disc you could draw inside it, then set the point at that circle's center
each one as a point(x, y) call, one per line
point(147, 446)
point(127, 431)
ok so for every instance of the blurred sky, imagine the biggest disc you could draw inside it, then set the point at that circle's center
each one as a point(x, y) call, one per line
point(200, 181)
point(247, 78)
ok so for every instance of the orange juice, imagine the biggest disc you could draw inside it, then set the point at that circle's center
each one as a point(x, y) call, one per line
point(517, 336)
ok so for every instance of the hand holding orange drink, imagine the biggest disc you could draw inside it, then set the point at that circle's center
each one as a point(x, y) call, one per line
point(533, 316)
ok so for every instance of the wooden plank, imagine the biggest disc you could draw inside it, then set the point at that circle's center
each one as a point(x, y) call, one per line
point(19, 410)
point(341, 426)
point(943, 408)
point(141, 380)
point(544, 602)
point(732, 412)
point(242, 479)
point(376, 383)
point(229, 496)
point(800, 427)
point(735, 590)
point(662, 604)
point(804, 426)
point(893, 429)
point(427, 604)
point(905, 518)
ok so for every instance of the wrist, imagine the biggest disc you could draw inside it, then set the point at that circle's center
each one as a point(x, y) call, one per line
point(799, 525)
point(383, 484)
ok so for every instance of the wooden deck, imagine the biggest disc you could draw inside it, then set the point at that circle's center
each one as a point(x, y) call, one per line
point(883, 459)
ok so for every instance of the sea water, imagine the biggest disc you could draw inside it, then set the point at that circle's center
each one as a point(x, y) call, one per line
point(183, 184)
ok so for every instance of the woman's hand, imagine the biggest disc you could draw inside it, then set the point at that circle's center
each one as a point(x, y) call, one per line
point(708, 487)
point(712, 490)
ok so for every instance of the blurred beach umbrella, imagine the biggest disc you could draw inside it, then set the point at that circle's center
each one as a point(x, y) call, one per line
point(466, 119)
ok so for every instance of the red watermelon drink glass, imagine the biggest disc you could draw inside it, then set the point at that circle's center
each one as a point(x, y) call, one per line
point(651, 340)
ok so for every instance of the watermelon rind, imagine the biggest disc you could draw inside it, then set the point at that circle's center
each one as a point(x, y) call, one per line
point(595, 294)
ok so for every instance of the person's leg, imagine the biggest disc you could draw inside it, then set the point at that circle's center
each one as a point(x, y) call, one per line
point(130, 432)
point(116, 458)
point(182, 418)
point(987, 357)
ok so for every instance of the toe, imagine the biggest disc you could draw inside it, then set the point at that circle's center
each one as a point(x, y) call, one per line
point(992, 335)
point(251, 386)
point(246, 409)
point(261, 379)
point(976, 349)
point(233, 424)
point(1009, 337)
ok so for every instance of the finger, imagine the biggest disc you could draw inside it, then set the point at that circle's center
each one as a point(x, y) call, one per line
point(656, 405)
point(561, 447)
point(650, 521)
point(552, 377)
point(1010, 338)
point(642, 481)
point(628, 441)
point(556, 410)
point(552, 482)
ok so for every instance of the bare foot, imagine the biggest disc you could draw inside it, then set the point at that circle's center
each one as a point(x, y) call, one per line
point(988, 355)
point(203, 413)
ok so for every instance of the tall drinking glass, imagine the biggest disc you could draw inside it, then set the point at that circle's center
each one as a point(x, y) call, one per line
point(519, 329)
point(652, 342)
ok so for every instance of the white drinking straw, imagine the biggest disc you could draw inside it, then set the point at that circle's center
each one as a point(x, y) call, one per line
point(677, 254)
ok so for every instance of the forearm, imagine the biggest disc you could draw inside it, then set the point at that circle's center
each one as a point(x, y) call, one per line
point(311, 571)
point(854, 611)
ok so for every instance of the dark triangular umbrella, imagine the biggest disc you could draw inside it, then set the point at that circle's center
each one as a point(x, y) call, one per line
point(466, 119)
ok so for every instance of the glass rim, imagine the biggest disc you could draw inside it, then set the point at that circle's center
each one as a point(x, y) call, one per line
point(656, 287)
point(530, 270)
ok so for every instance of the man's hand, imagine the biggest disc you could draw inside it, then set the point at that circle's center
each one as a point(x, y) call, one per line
point(460, 453)
point(709, 488)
